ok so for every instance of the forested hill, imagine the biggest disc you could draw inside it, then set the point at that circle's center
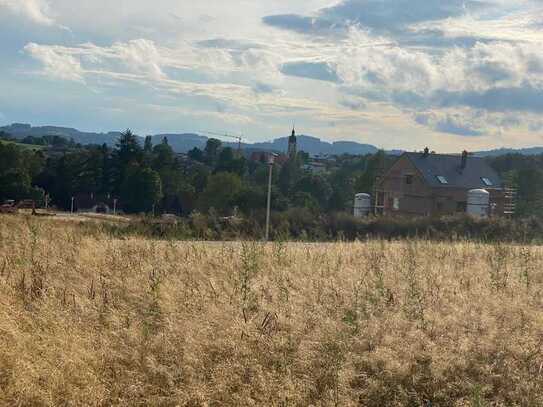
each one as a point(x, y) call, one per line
point(183, 143)
point(21, 130)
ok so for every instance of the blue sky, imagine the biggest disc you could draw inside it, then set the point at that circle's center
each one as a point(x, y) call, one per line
point(394, 73)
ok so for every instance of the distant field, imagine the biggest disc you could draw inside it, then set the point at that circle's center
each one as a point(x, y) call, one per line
point(27, 146)
point(89, 320)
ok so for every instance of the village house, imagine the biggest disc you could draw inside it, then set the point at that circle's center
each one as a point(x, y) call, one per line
point(264, 157)
point(428, 184)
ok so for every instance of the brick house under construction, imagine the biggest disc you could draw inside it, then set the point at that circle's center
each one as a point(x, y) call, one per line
point(428, 184)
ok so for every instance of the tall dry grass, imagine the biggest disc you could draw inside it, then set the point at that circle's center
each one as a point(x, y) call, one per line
point(89, 320)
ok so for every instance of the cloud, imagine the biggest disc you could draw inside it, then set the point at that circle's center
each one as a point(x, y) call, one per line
point(518, 99)
point(475, 65)
point(391, 17)
point(56, 63)
point(496, 76)
point(260, 87)
point(353, 103)
point(224, 43)
point(37, 11)
point(321, 71)
point(456, 124)
point(394, 15)
point(303, 24)
point(140, 56)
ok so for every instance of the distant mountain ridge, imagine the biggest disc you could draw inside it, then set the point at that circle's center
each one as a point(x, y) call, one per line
point(184, 142)
point(22, 130)
point(504, 151)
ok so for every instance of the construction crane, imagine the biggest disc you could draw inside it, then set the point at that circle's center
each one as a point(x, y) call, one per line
point(239, 138)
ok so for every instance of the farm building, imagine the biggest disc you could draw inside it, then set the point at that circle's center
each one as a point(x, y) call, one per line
point(428, 184)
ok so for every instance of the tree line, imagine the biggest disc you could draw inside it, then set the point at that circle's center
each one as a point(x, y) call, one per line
point(146, 178)
point(149, 178)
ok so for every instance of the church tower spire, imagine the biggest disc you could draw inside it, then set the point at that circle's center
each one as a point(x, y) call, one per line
point(292, 144)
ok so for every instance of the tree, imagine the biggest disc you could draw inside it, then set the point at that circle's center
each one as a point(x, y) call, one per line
point(128, 151)
point(227, 162)
point(17, 169)
point(141, 190)
point(211, 150)
point(179, 195)
point(163, 156)
point(289, 175)
point(148, 144)
point(529, 183)
point(196, 154)
point(317, 187)
point(375, 164)
point(342, 182)
point(5, 136)
point(90, 173)
point(199, 175)
point(221, 193)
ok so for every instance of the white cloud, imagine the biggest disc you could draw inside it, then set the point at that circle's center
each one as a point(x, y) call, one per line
point(140, 56)
point(197, 56)
point(37, 11)
point(56, 63)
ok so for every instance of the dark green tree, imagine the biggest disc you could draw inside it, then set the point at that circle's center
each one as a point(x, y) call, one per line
point(212, 149)
point(141, 190)
point(148, 144)
point(221, 193)
point(317, 187)
point(196, 154)
point(127, 152)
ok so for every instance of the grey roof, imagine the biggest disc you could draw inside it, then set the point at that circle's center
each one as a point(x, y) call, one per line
point(449, 166)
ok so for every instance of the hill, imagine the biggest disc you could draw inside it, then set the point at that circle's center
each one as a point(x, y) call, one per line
point(184, 142)
point(504, 151)
point(21, 130)
point(315, 146)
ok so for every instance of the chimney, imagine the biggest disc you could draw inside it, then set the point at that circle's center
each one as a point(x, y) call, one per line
point(464, 159)
point(426, 152)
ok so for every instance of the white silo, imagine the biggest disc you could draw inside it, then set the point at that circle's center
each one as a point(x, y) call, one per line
point(478, 203)
point(362, 205)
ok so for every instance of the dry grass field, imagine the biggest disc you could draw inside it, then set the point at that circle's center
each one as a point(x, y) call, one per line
point(89, 320)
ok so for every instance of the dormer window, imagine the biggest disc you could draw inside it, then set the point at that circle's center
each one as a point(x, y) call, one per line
point(487, 181)
point(442, 180)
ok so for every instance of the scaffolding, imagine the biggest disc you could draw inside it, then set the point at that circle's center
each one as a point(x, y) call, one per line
point(510, 204)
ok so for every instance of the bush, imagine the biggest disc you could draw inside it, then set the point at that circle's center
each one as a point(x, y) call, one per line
point(306, 225)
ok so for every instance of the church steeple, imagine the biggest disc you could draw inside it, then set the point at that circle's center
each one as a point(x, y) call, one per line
point(292, 144)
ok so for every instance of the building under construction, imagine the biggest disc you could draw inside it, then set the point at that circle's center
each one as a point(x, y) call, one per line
point(429, 184)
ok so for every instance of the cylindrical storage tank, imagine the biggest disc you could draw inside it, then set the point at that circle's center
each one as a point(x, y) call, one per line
point(478, 203)
point(362, 205)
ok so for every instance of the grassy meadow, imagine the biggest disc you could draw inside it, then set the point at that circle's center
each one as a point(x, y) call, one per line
point(87, 319)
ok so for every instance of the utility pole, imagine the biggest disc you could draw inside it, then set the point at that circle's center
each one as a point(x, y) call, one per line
point(271, 160)
point(115, 206)
point(72, 206)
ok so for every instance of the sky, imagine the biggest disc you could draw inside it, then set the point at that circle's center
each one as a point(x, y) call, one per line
point(451, 75)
